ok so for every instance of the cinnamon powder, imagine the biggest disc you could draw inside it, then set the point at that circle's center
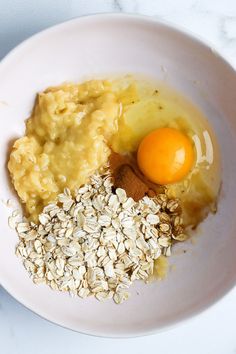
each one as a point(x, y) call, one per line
point(128, 177)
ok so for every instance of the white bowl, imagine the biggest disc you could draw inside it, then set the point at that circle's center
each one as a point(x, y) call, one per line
point(118, 44)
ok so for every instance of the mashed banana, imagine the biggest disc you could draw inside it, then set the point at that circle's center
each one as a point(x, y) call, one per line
point(66, 141)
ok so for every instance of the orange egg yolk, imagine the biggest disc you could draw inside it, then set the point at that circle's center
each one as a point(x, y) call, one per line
point(165, 156)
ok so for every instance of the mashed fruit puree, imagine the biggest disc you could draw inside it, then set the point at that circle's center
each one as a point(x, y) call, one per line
point(65, 142)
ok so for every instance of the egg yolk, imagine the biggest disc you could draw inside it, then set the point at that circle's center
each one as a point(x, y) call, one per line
point(165, 156)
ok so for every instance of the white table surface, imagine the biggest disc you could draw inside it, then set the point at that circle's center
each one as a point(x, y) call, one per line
point(214, 331)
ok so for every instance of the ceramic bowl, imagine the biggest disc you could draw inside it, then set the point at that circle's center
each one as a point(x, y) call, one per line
point(104, 45)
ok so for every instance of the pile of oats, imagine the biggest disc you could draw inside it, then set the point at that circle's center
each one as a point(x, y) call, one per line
point(99, 241)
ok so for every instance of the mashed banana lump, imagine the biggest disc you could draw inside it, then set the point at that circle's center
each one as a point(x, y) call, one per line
point(66, 141)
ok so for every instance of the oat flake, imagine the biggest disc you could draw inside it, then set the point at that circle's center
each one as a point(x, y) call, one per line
point(97, 242)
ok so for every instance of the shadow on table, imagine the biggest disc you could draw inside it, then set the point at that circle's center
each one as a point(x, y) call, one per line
point(20, 20)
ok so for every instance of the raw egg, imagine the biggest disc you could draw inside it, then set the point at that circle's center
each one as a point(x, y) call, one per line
point(174, 143)
point(165, 156)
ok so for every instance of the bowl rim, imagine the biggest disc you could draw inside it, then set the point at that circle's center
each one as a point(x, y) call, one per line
point(172, 27)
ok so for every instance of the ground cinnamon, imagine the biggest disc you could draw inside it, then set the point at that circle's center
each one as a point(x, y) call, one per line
point(127, 176)
point(124, 177)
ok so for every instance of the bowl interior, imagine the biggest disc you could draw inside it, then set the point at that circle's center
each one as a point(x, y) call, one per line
point(105, 45)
